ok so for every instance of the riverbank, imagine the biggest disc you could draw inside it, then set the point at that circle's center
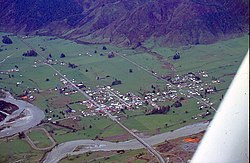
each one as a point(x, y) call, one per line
point(64, 149)
point(24, 118)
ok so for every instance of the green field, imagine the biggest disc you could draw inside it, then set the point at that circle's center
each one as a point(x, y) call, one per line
point(96, 65)
point(166, 122)
point(221, 60)
point(91, 127)
point(39, 138)
point(16, 149)
point(108, 157)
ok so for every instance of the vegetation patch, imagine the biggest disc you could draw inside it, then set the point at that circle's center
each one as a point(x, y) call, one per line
point(39, 138)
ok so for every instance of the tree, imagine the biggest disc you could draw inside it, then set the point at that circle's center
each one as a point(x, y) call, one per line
point(72, 65)
point(30, 53)
point(206, 92)
point(21, 135)
point(162, 110)
point(62, 55)
point(7, 40)
point(122, 110)
point(177, 56)
point(177, 104)
point(104, 48)
point(130, 70)
point(182, 98)
point(111, 55)
point(116, 82)
point(47, 79)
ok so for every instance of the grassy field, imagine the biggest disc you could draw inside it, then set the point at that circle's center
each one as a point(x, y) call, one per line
point(174, 119)
point(221, 60)
point(15, 149)
point(39, 138)
point(91, 127)
point(29, 76)
point(217, 59)
point(95, 64)
point(107, 157)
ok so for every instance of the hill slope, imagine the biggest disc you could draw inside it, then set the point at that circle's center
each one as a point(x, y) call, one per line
point(126, 22)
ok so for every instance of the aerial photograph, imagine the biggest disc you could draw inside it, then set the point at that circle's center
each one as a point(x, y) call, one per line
point(124, 81)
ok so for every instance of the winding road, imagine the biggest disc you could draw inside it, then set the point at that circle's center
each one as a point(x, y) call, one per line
point(32, 143)
point(64, 149)
point(147, 146)
point(102, 145)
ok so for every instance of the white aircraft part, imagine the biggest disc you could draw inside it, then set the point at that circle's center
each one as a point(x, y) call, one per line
point(227, 137)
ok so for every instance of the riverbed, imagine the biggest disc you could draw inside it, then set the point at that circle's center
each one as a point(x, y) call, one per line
point(31, 116)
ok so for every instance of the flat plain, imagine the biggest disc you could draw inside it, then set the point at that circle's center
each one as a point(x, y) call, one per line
point(95, 68)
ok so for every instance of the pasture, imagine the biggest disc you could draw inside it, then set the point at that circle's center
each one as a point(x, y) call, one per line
point(94, 68)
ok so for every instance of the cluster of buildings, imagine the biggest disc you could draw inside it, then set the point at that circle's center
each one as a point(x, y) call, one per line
point(111, 100)
point(194, 85)
point(114, 101)
point(6, 72)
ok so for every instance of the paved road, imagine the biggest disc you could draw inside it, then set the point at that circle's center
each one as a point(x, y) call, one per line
point(5, 59)
point(64, 149)
point(160, 78)
point(144, 143)
point(33, 116)
point(147, 146)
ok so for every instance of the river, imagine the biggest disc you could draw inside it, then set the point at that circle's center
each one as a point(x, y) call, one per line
point(66, 148)
point(33, 116)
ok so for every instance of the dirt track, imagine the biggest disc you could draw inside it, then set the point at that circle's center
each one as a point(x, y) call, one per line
point(32, 143)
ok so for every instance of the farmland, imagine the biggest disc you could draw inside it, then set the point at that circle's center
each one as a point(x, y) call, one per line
point(39, 138)
point(14, 149)
point(95, 67)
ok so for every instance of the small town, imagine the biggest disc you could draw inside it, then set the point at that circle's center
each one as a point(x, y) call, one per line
point(177, 88)
point(114, 101)
point(124, 81)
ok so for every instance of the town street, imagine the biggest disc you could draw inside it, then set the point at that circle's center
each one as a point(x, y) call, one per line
point(147, 146)
point(64, 149)
point(159, 77)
